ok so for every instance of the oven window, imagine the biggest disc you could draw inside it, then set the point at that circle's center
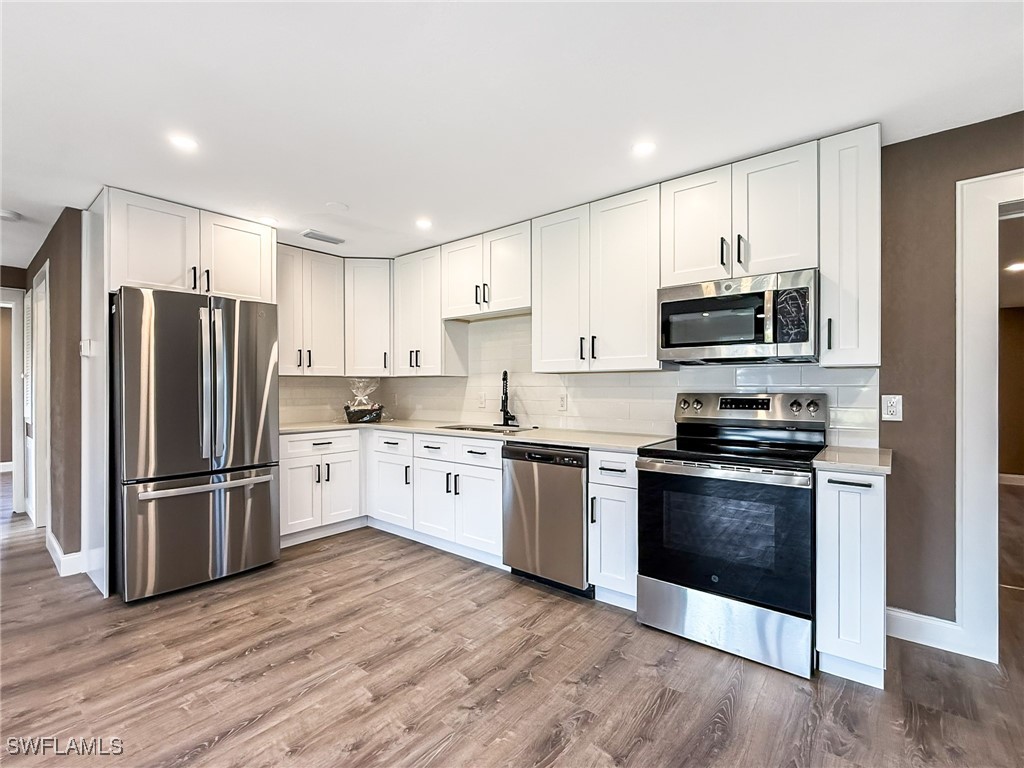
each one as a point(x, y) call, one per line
point(749, 541)
point(712, 321)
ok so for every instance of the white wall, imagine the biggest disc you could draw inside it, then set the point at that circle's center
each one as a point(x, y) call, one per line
point(619, 402)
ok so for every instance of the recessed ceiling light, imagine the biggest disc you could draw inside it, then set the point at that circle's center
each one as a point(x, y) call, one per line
point(183, 142)
point(336, 206)
point(644, 148)
point(1017, 267)
point(270, 221)
point(9, 215)
point(424, 223)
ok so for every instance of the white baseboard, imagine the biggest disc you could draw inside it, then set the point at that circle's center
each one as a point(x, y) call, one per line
point(6, 466)
point(291, 539)
point(1011, 479)
point(611, 597)
point(446, 546)
point(851, 670)
point(67, 565)
point(931, 631)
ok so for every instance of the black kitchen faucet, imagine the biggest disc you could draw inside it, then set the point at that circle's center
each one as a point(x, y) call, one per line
point(508, 419)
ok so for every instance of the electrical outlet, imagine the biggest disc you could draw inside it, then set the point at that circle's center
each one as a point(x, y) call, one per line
point(892, 407)
point(563, 402)
point(483, 400)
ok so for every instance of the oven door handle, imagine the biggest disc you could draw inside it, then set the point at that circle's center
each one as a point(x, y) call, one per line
point(792, 479)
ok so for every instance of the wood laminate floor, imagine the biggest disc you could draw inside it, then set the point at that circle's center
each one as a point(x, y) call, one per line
point(1011, 535)
point(369, 650)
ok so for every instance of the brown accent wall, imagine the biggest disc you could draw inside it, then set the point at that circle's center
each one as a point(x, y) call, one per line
point(1011, 390)
point(63, 250)
point(6, 319)
point(13, 277)
point(919, 347)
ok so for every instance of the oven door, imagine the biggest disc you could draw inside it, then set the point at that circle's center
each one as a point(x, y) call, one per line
point(739, 533)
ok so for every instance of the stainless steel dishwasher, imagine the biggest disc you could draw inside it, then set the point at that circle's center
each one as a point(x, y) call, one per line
point(544, 504)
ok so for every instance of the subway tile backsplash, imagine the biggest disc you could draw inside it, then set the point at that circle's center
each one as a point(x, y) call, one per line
point(615, 402)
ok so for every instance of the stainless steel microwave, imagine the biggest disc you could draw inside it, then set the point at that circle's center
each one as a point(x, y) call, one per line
point(760, 318)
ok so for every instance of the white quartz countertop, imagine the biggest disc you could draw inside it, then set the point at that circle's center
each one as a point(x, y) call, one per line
point(865, 461)
point(604, 441)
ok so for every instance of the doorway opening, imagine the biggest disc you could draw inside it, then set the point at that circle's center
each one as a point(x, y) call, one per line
point(12, 397)
point(37, 433)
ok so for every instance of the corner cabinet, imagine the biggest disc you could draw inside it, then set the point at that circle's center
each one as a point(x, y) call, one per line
point(850, 600)
point(368, 317)
point(595, 283)
point(850, 201)
point(311, 313)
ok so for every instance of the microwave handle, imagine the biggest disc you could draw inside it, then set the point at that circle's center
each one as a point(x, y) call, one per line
point(769, 317)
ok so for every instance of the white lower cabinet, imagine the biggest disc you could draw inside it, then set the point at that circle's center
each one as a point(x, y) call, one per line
point(389, 496)
point(434, 505)
point(318, 488)
point(850, 600)
point(478, 508)
point(340, 488)
point(612, 538)
point(300, 494)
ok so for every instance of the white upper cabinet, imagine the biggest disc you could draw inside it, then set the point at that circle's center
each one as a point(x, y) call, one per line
point(561, 291)
point(850, 203)
point(237, 258)
point(367, 317)
point(506, 265)
point(408, 298)
point(775, 211)
point(323, 317)
point(696, 228)
point(291, 349)
point(153, 243)
point(462, 277)
point(624, 268)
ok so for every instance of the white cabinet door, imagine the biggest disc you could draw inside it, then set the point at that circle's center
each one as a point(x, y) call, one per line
point(340, 487)
point(624, 266)
point(292, 355)
point(408, 311)
point(300, 494)
point(775, 211)
point(434, 508)
point(237, 258)
point(462, 278)
point(850, 201)
point(478, 521)
point(506, 275)
point(153, 243)
point(367, 317)
point(323, 327)
point(696, 228)
point(850, 601)
point(390, 493)
point(430, 353)
point(612, 538)
point(561, 291)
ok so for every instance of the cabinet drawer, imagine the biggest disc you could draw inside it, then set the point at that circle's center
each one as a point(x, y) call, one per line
point(610, 468)
point(311, 443)
point(434, 447)
point(399, 443)
point(481, 453)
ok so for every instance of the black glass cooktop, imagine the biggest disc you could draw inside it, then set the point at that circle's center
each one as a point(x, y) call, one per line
point(785, 455)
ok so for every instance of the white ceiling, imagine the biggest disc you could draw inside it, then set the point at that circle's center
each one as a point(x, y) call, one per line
point(476, 115)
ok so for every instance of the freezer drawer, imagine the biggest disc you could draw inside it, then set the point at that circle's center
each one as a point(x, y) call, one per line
point(176, 533)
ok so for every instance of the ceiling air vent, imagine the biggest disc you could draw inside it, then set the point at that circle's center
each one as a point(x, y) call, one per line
point(323, 237)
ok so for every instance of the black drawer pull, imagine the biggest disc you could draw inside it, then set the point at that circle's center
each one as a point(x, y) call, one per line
point(329, 442)
point(433, 447)
point(390, 442)
point(476, 453)
point(850, 483)
point(612, 469)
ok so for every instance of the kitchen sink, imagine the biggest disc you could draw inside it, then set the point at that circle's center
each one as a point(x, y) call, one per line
point(484, 428)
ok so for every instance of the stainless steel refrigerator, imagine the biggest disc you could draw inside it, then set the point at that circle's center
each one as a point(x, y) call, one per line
point(195, 439)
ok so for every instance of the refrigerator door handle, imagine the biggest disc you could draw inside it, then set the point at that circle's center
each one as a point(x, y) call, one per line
point(205, 382)
point(205, 488)
point(220, 383)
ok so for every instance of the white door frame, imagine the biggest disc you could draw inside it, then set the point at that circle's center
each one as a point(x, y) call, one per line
point(975, 631)
point(14, 298)
point(41, 396)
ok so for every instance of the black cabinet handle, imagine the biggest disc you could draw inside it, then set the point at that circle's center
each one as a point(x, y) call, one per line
point(486, 297)
point(328, 466)
point(433, 447)
point(477, 453)
point(385, 361)
point(195, 278)
point(612, 469)
point(448, 483)
point(309, 358)
point(593, 347)
point(829, 334)
point(408, 481)
point(326, 442)
point(583, 355)
point(411, 364)
point(850, 483)
point(456, 485)
point(300, 358)
point(476, 294)
point(739, 249)
point(417, 358)
point(390, 442)
point(721, 249)
point(593, 509)
point(318, 473)
point(207, 272)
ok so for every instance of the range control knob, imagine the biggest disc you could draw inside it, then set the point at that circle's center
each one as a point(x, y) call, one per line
point(684, 404)
point(795, 406)
point(697, 405)
point(812, 407)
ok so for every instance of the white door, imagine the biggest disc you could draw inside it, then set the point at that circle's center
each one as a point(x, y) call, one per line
point(612, 538)
point(340, 487)
point(323, 316)
point(429, 358)
point(301, 492)
point(696, 228)
point(850, 201)
point(478, 520)
point(560, 280)
point(29, 390)
point(153, 243)
point(41, 436)
point(850, 517)
point(390, 493)
point(507, 269)
point(775, 211)
point(237, 258)
point(408, 311)
point(292, 350)
point(462, 278)
point(624, 266)
point(367, 317)
point(434, 508)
